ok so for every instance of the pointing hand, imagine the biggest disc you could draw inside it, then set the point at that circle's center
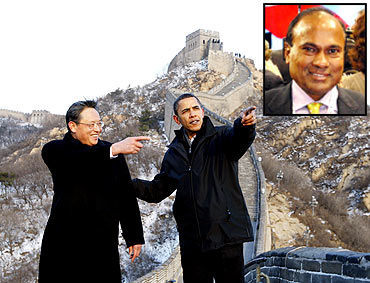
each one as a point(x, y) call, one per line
point(249, 116)
point(129, 145)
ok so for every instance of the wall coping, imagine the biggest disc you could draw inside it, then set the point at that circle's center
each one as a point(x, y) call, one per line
point(321, 253)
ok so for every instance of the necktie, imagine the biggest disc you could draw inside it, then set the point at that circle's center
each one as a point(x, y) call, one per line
point(314, 107)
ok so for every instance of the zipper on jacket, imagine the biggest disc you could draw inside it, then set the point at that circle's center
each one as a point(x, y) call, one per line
point(228, 213)
point(195, 207)
point(189, 161)
point(192, 189)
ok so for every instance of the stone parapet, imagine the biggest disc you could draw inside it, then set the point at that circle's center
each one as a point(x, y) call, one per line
point(170, 271)
point(36, 117)
point(221, 62)
point(199, 32)
point(14, 114)
point(262, 238)
point(178, 60)
point(311, 265)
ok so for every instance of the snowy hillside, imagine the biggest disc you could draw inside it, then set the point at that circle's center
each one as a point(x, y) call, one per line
point(26, 193)
point(14, 131)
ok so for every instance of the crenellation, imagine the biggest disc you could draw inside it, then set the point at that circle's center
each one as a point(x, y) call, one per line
point(198, 44)
point(14, 114)
point(38, 117)
point(318, 265)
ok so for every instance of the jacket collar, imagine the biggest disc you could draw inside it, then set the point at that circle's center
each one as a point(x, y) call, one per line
point(347, 104)
point(207, 129)
point(282, 100)
point(71, 140)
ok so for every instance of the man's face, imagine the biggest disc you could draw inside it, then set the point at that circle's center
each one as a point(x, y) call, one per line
point(82, 131)
point(316, 58)
point(190, 115)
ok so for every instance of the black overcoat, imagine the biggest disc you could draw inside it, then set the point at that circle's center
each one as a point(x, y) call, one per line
point(92, 195)
point(209, 207)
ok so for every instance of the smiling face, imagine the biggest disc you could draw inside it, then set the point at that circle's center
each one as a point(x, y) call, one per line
point(316, 57)
point(190, 115)
point(82, 132)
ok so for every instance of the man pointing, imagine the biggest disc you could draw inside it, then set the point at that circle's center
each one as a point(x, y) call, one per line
point(93, 195)
point(212, 218)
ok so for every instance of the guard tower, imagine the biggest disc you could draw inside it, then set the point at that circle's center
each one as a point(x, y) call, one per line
point(199, 43)
point(197, 47)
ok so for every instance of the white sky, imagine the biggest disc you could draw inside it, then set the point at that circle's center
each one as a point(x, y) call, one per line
point(53, 53)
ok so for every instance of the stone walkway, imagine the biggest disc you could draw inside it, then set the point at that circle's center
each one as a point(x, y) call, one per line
point(242, 76)
point(248, 183)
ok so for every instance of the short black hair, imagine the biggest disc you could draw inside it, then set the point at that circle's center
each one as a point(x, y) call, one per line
point(74, 111)
point(181, 97)
point(293, 23)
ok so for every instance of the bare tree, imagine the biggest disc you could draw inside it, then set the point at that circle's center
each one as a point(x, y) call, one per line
point(11, 223)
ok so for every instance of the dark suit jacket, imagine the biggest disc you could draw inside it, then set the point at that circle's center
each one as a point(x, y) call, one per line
point(278, 101)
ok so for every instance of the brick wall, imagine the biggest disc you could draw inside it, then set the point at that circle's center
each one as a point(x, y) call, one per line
point(304, 264)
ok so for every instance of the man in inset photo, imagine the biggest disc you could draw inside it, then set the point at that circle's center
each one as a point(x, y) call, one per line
point(314, 49)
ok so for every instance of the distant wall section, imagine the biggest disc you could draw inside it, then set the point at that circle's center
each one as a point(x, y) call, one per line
point(14, 114)
point(221, 62)
point(36, 117)
point(197, 47)
point(178, 60)
point(39, 117)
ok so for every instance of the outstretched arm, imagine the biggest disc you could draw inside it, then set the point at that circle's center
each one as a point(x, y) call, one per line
point(240, 137)
point(156, 190)
point(129, 145)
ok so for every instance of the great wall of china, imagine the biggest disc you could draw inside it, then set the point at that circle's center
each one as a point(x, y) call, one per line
point(302, 264)
point(37, 117)
point(285, 265)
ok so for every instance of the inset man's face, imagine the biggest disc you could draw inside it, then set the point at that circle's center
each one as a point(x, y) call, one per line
point(316, 58)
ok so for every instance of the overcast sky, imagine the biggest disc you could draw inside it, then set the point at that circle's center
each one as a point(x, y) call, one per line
point(53, 53)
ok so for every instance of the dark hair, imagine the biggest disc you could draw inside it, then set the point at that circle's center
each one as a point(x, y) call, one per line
point(74, 111)
point(293, 23)
point(181, 97)
point(357, 54)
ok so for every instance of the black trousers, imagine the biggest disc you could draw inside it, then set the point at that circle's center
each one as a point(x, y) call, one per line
point(225, 265)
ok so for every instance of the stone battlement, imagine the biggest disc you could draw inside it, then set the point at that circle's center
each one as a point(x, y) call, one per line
point(14, 114)
point(36, 117)
point(199, 32)
point(197, 47)
point(305, 264)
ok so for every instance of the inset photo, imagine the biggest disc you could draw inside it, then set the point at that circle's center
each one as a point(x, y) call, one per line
point(315, 60)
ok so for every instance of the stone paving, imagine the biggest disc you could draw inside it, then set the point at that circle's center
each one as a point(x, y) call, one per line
point(248, 183)
point(242, 76)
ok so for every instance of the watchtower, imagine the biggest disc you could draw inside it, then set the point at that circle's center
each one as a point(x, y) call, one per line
point(197, 47)
point(199, 43)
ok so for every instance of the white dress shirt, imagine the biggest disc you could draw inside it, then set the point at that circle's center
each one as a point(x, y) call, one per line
point(300, 100)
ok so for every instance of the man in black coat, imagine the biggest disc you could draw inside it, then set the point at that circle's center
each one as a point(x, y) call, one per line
point(314, 48)
point(92, 195)
point(210, 211)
